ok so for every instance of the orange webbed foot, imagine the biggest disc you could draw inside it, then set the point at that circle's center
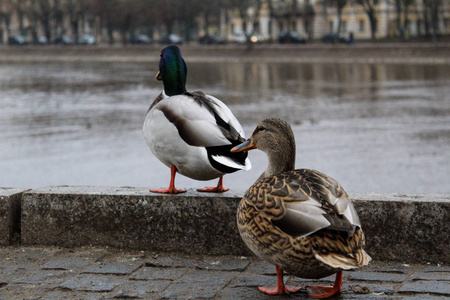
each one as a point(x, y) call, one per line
point(171, 189)
point(215, 189)
point(168, 191)
point(275, 290)
point(280, 288)
point(321, 292)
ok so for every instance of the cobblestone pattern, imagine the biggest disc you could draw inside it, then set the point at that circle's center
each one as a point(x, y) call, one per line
point(100, 273)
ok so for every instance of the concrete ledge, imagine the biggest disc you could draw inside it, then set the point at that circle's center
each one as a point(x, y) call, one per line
point(405, 228)
point(10, 215)
point(132, 218)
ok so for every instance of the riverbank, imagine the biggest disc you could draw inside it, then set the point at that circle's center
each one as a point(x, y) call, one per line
point(418, 53)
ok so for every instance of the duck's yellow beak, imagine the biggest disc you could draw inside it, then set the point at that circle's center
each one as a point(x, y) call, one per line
point(158, 76)
point(245, 146)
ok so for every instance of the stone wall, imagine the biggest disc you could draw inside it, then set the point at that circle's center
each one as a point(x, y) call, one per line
point(405, 228)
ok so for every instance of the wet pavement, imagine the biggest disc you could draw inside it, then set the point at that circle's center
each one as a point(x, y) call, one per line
point(105, 273)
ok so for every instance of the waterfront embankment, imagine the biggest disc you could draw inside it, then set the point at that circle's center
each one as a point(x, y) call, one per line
point(398, 227)
point(418, 53)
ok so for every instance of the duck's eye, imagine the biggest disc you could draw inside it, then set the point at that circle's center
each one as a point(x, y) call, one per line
point(261, 128)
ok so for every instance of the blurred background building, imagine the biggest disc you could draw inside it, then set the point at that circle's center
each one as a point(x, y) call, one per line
point(219, 21)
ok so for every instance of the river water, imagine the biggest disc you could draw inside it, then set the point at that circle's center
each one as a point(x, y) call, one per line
point(373, 127)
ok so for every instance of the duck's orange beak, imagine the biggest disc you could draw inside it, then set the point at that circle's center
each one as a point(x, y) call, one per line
point(245, 146)
point(158, 76)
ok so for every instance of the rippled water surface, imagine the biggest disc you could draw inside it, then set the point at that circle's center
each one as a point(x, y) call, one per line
point(373, 127)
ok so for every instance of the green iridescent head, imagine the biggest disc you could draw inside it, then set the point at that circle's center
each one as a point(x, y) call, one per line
point(172, 71)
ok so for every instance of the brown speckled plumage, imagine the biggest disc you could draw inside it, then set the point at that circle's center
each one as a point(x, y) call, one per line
point(300, 220)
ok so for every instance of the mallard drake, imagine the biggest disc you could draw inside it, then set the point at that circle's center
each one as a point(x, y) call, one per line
point(302, 221)
point(191, 133)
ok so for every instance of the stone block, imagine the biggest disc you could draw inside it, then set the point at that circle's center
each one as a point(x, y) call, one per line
point(172, 262)
point(405, 228)
point(66, 295)
point(43, 278)
point(114, 268)
point(200, 290)
point(71, 263)
point(133, 218)
point(226, 264)
point(439, 276)
point(10, 215)
point(91, 283)
point(207, 276)
point(377, 276)
point(422, 286)
point(249, 293)
point(158, 273)
point(141, 290)
point(253, 280)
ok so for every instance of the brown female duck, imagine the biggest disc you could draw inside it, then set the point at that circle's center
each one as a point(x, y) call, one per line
point(302, 221)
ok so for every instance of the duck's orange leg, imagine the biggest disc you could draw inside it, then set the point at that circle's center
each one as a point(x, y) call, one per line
point(280, 289)
point(171, 189)
point(320, 292)
point(215, 189)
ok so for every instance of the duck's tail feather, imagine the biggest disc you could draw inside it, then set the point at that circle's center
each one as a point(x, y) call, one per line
point(225, 161)
point(345, 262)
point(231, 163)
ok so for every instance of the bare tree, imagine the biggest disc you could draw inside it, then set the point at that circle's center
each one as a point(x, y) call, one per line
point(370, 7)
point(209, 11)
point(401, 19)
point(249, 12)
point(308, 18)
point(285, 12)
point(339, 4)
point(45, 15)
point(431, 11)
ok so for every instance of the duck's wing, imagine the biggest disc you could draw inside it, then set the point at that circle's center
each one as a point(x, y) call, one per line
point(201, 121)
point(302, 202)
point(160, 97)
point(225, 119)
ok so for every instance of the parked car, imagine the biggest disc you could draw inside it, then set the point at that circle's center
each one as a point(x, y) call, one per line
point(291, 37)
point(332, 38)
point(87, 39)
point(140, 39)
point(170, 39)
point(17, 40)
point(42, 40)
point(239, 38)
point(210, 39)
point(63, 40)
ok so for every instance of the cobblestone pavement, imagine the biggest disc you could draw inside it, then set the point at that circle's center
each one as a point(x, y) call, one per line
point(101, 273)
